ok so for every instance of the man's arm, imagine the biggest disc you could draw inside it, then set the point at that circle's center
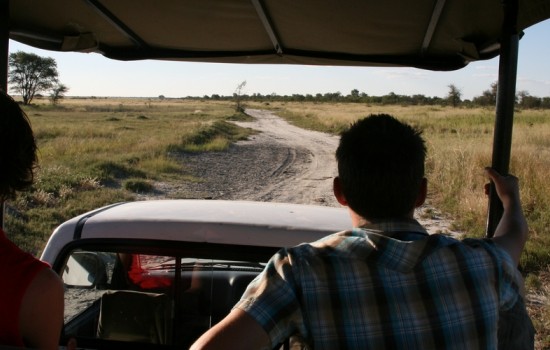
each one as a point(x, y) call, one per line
point(236, 331)
point(511, 232)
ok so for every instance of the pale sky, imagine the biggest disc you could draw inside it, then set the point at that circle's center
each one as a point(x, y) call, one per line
point(95, 75)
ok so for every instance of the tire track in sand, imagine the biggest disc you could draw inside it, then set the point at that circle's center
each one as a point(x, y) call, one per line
point(304, 179)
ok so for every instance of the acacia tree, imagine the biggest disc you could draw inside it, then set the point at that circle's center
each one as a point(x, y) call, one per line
point(58, 92)
point(238, 97)
point(488, 97)
point(30, 74)
point(354, 95)
point(454, 95)
point(528, 101)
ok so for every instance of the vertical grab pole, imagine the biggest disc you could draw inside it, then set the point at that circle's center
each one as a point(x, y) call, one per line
point(4, 43)
point(502, 141)
point(4, 48)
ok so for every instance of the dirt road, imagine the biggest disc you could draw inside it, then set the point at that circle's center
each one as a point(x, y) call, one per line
point(282, 163)
point(305, 174)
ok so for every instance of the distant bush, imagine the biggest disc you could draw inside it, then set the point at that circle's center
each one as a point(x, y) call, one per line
point(137, 186)
point(240, 117)
point(110, 171)
point(215, 136)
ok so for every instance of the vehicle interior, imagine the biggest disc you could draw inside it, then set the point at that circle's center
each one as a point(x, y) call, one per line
point(436, 35)
point(128, 297)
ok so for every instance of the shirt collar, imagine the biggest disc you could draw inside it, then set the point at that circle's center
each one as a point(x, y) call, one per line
point(387, 227)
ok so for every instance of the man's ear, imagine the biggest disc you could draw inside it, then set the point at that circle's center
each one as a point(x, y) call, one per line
point(422, 193)
point(337, 189)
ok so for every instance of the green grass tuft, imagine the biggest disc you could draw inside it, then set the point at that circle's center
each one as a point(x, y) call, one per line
point(137, 186)
point(216, 136)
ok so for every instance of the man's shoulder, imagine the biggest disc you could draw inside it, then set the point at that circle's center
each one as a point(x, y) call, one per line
point(486, 248)
point(326, 241)
point(490, 247)
point(336, 243)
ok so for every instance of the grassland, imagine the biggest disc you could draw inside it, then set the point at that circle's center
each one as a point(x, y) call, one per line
point(98, 151)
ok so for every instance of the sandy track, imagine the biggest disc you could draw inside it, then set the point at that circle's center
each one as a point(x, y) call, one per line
point(305, 175)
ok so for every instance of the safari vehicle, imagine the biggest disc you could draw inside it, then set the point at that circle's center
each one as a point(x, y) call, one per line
point(155, 267)
point(155, 274)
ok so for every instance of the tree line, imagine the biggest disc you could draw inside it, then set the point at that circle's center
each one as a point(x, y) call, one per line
point(30, 74)
point(454, 98)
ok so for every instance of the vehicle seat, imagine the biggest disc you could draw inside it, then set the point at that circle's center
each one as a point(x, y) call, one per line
point(134, 317)
point(226, 293)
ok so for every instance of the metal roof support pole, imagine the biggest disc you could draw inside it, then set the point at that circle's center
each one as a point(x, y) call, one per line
point(117, 23)
point(4, 42)
point(506, 95)
point(434, 20)
point(268, 26)
point(4, 51)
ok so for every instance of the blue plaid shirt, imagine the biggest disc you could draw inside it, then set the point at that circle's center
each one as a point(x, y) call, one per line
point(385, 286)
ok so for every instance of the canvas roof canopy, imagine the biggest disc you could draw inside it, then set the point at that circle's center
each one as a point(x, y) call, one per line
point(430, 34)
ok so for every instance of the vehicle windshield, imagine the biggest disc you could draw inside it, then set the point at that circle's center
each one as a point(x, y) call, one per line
point(130, 297)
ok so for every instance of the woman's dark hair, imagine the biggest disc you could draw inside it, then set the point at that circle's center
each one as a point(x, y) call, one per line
point(381, 166)
point(17, 148)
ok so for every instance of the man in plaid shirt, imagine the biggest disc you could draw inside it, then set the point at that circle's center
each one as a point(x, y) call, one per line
point(387, 283)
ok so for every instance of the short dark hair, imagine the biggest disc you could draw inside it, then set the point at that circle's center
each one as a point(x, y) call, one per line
point(17, 148)
point(381, 166)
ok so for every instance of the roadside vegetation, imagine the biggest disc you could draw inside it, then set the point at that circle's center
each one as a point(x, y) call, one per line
point(96, 151)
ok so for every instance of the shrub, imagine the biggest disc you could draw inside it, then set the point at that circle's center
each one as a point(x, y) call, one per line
point(137, 186)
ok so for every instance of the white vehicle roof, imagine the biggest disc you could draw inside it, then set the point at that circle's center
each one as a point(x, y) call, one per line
point(204, 221)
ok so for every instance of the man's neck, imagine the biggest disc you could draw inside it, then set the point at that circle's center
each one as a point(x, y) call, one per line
point(359, 221)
